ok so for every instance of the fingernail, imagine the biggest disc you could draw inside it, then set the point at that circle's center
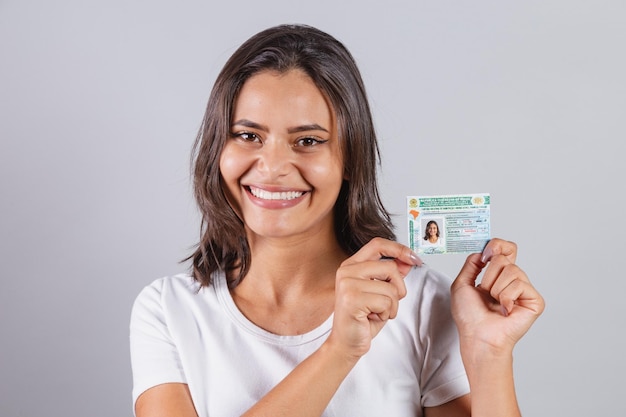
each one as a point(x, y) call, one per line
point(487, 254)
point(504, 311)
point(416, 259)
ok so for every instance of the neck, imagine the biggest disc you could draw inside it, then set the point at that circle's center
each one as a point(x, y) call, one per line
point(283, 268)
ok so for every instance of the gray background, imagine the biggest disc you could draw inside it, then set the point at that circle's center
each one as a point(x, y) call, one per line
point(100, 102)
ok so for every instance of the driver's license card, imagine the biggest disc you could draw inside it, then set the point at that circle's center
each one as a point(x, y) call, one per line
point(448, 223)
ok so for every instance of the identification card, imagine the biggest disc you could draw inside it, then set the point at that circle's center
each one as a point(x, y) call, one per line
point(448, 223)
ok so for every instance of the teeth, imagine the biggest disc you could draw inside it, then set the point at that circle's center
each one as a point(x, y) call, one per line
point(266, 195)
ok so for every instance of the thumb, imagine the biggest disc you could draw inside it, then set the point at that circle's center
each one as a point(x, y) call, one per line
point(469, 272)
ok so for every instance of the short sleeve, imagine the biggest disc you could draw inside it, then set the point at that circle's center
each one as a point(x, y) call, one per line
point(154, 357)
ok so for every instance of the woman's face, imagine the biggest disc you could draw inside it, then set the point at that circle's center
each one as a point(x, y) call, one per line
point(282, 167)
point(432, 229)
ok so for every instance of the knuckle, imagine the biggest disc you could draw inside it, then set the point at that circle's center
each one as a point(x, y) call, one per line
point(388, 301)
point(341, 284)
point(501, 259)
point(350, 295)
point(402, 292)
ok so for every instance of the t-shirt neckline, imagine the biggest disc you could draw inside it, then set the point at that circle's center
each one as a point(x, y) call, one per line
point(241, 321)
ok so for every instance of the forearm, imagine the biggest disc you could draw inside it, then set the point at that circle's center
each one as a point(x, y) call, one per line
point(308, 389)
point(491, 383)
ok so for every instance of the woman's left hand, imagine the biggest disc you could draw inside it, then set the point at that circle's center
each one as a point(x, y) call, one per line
point(498, 311)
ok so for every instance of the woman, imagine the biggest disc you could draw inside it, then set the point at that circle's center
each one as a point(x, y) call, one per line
point(431, 237)
point(300, 303)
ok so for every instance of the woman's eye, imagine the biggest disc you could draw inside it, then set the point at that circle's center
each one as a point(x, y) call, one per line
point(310, 141)
point(246, 136)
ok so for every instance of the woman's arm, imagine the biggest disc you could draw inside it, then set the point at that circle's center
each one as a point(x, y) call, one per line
point(166, 400)
point(306, 391)
point(460, 407)
point(491, 318)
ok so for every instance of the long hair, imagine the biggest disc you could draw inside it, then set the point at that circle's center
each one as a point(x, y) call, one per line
point(359, 214)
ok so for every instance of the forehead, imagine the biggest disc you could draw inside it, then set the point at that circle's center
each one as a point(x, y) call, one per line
point(289, 97)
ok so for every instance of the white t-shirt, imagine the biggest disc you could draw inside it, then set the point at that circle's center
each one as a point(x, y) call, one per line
point(180, 332)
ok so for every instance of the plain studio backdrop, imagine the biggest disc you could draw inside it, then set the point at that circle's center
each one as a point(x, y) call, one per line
point(100, 102)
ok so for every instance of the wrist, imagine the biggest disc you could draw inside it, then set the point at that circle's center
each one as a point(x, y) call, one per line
point(490, 373)
point(335, 352)
point(477, 354)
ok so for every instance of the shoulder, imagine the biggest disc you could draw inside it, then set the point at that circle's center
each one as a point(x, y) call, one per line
point(179, 282)
point(167, 286)
point(155, 297)
point(169, 309)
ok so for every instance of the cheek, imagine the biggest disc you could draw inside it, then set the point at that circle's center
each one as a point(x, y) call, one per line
point(231, 165)
point(329, 169)
point(230, 172)
point(326, 177)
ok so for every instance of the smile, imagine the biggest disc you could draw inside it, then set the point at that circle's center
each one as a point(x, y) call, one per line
point(268, 195)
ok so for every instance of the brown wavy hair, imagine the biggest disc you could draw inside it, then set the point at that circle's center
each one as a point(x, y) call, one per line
point(359, 214)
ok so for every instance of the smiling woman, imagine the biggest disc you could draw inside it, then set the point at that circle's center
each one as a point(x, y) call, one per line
point(283, 167)
point(299, 301)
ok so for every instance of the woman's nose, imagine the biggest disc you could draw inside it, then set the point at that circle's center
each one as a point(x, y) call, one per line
point(275, 159)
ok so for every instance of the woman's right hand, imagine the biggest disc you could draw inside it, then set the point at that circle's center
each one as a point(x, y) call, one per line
point(368, 287)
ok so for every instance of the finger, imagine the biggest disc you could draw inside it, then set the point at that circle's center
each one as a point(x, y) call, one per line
point(499, 273)
point(368, 297)
point(382, 306)
point(378, 248)
point(509, 285)
point(499, 247)
point(384, 271)
point(520, 293)
point(469, 272)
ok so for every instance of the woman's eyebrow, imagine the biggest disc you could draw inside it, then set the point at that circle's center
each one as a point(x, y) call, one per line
point(250, 124)
point(306, 128)
point(296, 129)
